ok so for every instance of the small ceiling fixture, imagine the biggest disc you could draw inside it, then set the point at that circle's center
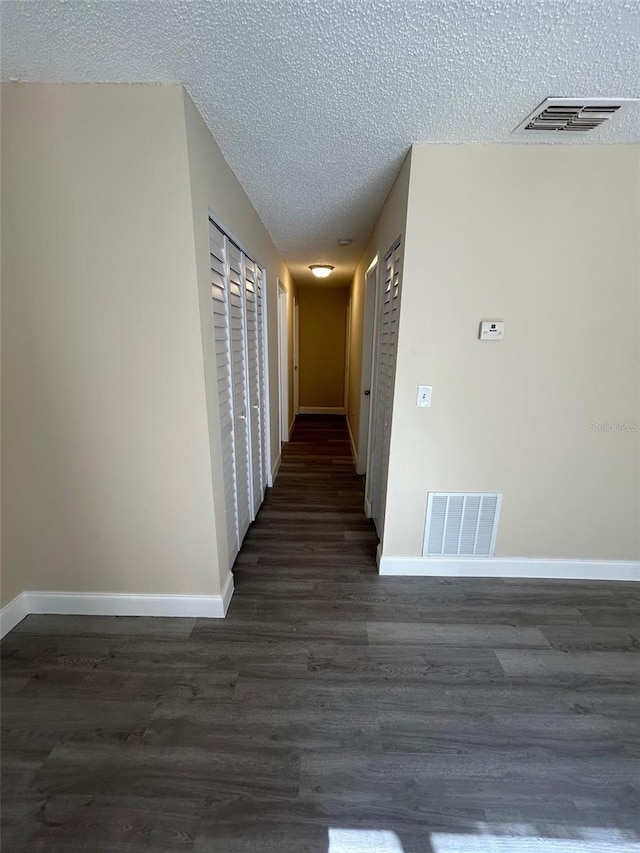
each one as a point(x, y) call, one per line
point(345, 241)
point(321, 270)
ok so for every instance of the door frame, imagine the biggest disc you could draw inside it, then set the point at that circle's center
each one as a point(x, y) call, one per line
point(347, 357)
point(296, 357)
point(266, 381)
point(283, 362)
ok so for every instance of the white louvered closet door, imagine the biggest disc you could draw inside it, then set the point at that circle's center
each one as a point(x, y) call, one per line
point(239, 386)
point(238, 312)
point(385, 364)
point(262, 382)
point(221, 324)
point(254, 379)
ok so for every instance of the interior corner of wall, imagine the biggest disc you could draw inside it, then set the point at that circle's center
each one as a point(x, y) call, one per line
point(187, 102)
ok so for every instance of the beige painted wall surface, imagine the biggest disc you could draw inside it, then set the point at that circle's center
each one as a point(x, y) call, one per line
point(389, 226)
point(323, 323)
point(106, 480)
point(9, 593)
point(216, 190)
point(546, 239)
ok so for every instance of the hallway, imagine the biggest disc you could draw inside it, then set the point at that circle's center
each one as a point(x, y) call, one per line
point(311, 532)
point(333, 710)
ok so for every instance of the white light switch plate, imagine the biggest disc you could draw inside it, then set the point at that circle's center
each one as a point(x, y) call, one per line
point(491, 330)
point(424, 396)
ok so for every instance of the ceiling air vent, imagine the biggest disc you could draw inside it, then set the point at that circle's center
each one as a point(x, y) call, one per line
point(461, 524)
point(570, 115)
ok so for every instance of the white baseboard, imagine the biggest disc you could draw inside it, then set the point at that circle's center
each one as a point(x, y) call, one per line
point(125, 604)
point(13, 613)
point(227, 593)
point(517, 567)
point(354, 452)
point(322, 410)
point(115, 604)
point(291, 425)
point(275, 468)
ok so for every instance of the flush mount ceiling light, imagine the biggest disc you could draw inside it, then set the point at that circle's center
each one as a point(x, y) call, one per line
point(321, 270)
point(345, 241)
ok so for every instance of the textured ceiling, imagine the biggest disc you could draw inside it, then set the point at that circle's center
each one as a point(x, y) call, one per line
point(315, 103)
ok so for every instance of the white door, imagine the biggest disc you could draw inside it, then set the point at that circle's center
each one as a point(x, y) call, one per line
point(237, 287)
point(239, 385)
point(366, 381)
point(256, 415)
point(296, 358)
point(262, 373)
point(382, 391)
point(222, 336)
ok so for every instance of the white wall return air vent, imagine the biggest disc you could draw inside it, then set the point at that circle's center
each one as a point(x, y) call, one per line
point(571, 115)
point(461, 524)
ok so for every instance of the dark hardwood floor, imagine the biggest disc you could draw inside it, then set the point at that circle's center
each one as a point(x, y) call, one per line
point(333, 710)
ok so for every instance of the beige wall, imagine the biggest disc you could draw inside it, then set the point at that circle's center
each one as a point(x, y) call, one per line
point(546, 239)
point(10, 591)
point(389, 226)
point(323, 322)
point(110, 427)
point(216, 190)
point(107, 472)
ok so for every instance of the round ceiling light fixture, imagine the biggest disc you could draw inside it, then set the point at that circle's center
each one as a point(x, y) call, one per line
point(321, 270)
point(345, 241)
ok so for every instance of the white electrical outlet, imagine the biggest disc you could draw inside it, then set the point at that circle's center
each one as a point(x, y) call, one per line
point(424, 396)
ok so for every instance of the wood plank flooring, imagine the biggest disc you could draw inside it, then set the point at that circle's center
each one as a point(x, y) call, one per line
point(333, 711)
